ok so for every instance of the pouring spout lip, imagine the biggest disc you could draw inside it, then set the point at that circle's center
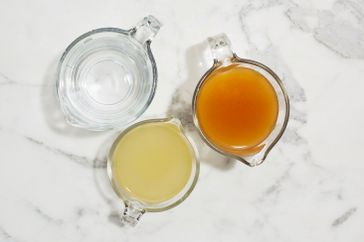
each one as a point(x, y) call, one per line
point(256, 159)
point(253, 162)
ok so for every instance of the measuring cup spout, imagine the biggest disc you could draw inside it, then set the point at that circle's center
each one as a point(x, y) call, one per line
point(254, 160)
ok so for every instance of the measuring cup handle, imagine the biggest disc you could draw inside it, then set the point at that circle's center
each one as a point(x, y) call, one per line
point(146, 29)
point(220, 47)
point(132, 213)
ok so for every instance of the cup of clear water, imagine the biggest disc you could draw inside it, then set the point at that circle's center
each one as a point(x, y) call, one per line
point(107, 77)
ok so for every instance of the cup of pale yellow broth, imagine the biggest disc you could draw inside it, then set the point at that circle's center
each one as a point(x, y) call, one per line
point(152, 166)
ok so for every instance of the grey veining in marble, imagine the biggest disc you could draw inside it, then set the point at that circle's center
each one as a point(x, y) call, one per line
point(53, 181)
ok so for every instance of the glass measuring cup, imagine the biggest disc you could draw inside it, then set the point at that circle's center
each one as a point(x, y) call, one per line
point(226, 59)
point(107, 77)
point(152, 166)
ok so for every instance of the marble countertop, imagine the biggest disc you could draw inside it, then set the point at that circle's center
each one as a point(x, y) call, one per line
point(53, 184)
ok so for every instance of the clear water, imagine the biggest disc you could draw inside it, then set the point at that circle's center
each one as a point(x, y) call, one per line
point(106, 81)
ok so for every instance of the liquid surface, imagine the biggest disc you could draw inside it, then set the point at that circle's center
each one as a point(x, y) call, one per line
point(237, 109)
point(152, 162)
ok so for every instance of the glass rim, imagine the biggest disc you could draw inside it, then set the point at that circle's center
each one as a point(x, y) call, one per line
point(236, 59)
point(169, 203)
point(65, 104)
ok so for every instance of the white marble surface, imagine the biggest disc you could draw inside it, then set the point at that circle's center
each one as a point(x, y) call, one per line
point(52, 177)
